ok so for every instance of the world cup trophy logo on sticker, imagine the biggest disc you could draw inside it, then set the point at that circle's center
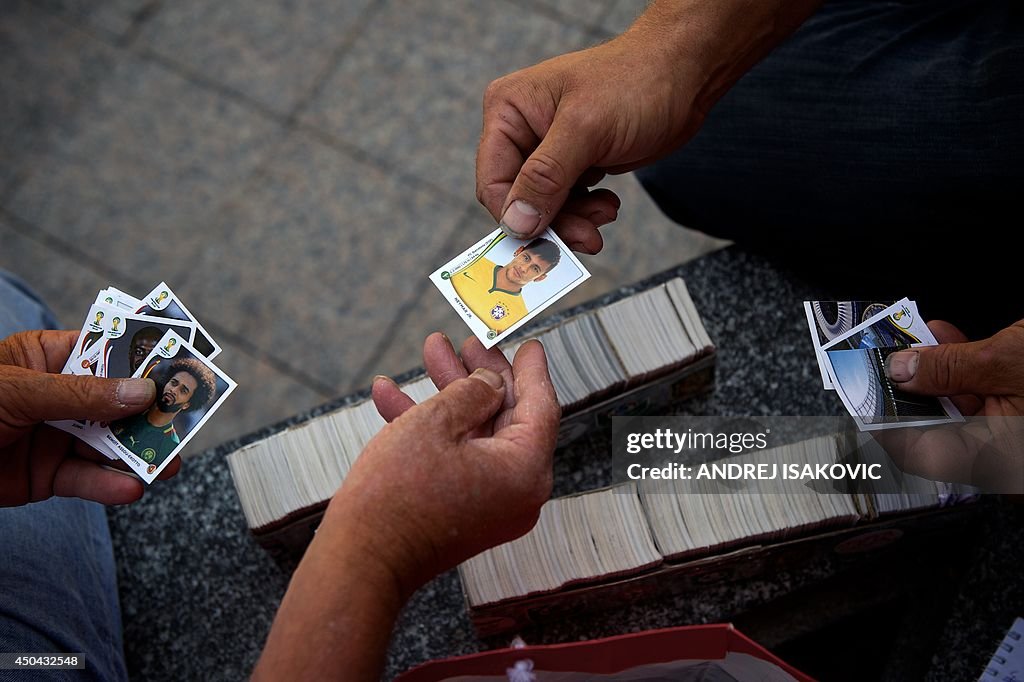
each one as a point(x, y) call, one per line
point(99, 316)
point(903, 318)
point(160, 299)
point(115, 324)
point(171, 343)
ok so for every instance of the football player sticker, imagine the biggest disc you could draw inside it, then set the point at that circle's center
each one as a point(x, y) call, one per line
point(500, 283)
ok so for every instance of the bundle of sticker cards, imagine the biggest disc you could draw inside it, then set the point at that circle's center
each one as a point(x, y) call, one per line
point(852, 340)
point(158, 338)
point(500, 283)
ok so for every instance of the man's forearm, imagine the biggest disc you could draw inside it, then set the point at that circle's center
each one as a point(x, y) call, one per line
point(721, 39)
point(336, 618)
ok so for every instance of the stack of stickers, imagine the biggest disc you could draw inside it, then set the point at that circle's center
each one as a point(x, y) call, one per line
point(852, 340)
point(154, 337)
point(627, 528)
point(281, 478)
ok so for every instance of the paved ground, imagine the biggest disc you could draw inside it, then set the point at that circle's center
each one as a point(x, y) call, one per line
point(294, 169)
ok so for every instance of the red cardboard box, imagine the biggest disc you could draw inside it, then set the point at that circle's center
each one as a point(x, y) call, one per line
point(609, 655)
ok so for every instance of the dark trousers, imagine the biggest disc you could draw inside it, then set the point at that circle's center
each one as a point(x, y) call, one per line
point(879, 151)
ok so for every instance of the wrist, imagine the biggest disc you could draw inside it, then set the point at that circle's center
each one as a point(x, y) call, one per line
point(714, 42)
point(380, 555)
point(338, 611)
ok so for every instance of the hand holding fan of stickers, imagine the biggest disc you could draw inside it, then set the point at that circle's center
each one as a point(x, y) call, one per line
point(852, 340)
point(154, 337)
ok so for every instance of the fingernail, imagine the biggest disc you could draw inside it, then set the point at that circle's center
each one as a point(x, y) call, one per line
point(381, 376)
point(901, 367)
point(579, 247)
point(136, 392)
point(492, 379)
point(520, 219)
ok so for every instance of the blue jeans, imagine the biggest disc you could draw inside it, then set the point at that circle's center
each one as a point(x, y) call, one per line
point(58, 583)
point(879, 151)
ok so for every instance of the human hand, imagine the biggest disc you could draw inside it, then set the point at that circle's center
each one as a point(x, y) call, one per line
point(985, 379)
point(38, 461)
point(462, 472)
point(553, 130)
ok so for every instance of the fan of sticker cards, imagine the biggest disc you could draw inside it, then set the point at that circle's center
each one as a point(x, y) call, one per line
point(158, 338)
point(852, 340)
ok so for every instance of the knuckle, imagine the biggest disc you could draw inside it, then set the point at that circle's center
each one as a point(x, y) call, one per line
point(490, 196)
point(585, 119)
point(499, 91)
point(81, 391)
point(448, 408)
point(14, 349)
point(493, 93)
point(544, 174)
point(947, 367)
point(15, 414)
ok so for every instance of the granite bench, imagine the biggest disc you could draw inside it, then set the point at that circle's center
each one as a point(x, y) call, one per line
point(198, 594)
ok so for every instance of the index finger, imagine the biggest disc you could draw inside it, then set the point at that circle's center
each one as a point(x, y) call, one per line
point(57, 346)
point(505, 143)
point(443, 365)
point(475, 356)
point(41, 350)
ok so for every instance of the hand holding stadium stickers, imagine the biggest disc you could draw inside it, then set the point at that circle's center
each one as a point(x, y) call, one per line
point(852, 340)
point(157, 338)
point(500, 283)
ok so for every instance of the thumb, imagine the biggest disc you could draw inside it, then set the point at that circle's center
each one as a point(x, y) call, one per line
point(466, 404)
point(547, 176)
point(32, 397)
point(945, 370)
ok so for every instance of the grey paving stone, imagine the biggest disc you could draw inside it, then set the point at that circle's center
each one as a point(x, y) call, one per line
point(315, 257)
point(430, 314)
point(272, 50)
point(142, 166)
point(585, 12)
point(67, 286)
point(47, 73)
point(622, 15)
point(116, 17)
point(642, 241)
point(411, 88)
